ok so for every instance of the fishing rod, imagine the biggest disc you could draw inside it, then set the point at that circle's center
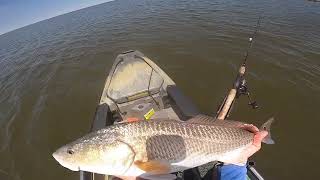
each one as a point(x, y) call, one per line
point(240, 84)
point(240, 88)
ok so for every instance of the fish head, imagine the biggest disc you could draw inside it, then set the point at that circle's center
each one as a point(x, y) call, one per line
point(104, 155)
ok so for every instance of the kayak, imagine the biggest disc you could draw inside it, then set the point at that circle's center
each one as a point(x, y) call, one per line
point(136, 88)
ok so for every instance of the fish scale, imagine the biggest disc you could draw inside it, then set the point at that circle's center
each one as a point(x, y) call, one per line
point(196, 139)
point(158, 146)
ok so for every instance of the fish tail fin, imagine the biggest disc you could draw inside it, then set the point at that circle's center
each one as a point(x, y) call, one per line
point(266, 127)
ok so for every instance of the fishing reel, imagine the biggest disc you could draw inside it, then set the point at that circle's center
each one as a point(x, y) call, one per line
point(242, 89)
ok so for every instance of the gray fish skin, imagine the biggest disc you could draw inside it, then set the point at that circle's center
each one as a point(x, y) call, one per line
point(179, 145)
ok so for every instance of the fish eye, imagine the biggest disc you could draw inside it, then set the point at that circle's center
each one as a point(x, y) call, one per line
point(70, 151)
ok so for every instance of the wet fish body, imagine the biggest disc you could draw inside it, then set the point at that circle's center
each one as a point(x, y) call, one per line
point(156, 147)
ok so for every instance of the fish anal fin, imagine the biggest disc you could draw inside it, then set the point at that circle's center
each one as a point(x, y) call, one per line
point(153, 166)
point(238, 162)
point(237, 157)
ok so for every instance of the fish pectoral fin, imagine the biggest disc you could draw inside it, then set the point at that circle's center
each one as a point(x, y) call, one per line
point(153, 166)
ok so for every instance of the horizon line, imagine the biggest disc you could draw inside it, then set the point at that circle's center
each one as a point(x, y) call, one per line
point(54, 17)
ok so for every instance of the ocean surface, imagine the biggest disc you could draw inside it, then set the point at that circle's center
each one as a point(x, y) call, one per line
point(52, 74)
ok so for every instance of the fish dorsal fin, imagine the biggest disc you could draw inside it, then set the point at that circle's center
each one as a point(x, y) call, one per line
point(207, 120)
point(153, 166)
point(202, 119)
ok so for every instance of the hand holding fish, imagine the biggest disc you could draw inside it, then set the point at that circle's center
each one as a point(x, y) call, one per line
point(257, 139)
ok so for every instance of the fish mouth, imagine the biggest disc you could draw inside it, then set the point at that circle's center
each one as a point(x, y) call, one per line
point(64, 163)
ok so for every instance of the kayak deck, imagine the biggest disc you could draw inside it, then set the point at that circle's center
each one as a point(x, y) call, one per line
point(137, 88)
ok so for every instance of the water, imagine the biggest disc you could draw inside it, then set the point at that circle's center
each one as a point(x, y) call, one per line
point(52, 74)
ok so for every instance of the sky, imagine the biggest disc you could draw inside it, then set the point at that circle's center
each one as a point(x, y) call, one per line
point(15, 14)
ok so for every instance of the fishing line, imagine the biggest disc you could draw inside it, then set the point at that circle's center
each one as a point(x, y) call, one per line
point(251, 40)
